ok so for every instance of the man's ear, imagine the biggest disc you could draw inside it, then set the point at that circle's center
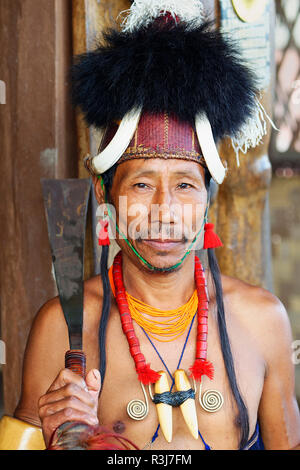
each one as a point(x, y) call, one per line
point(98, 190)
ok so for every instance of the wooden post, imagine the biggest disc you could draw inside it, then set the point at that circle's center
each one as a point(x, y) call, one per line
point(242, 210)
point(90, 19)
point(243, 218)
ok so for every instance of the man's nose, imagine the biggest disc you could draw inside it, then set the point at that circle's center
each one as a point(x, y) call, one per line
point(163, 197)
point(162, 207)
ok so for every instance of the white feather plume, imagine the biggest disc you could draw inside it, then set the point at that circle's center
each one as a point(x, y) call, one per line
point(252, 132)
point(144, 12)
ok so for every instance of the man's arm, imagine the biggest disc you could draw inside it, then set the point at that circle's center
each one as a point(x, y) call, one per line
point(52, 395)
point(46, 347)
point(43, 358)
point(278, 411)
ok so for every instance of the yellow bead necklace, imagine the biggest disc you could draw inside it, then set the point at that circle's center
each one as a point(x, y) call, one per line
point(174, 322)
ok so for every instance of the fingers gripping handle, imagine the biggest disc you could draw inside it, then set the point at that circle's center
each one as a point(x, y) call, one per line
point(75, 360)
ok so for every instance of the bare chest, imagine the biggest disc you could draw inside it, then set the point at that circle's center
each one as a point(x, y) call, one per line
point(121, 388)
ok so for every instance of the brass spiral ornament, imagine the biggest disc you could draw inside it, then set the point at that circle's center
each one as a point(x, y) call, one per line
point(210, 400)
point(138, 409)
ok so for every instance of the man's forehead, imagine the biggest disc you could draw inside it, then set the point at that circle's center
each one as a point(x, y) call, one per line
point(159, 166)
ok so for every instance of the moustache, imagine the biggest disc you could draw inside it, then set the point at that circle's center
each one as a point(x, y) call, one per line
point(165, 233)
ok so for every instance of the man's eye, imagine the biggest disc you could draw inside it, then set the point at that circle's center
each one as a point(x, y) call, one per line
point(140, 185)
point(185, 185)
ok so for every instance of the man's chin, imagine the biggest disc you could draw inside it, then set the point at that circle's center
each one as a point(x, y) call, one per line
point(161, 254)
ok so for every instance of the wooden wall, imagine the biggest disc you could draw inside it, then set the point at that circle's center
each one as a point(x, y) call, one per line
point(37, 139)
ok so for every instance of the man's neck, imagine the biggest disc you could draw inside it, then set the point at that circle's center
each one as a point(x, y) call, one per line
point(166, 290)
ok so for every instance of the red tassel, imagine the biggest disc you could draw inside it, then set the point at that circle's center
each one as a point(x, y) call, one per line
point(211, 239)
point(103, 238)
point(105, 441)
point(81, 436)
point(147, 375)
point(200, 368)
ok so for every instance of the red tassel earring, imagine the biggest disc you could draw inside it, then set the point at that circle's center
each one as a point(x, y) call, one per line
point(211, 239)
point(103, 237)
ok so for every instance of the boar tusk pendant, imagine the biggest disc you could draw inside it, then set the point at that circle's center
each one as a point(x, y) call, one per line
point(188, 408)
point(164, 411)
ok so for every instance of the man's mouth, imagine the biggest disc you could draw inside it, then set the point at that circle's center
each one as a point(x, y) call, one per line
point(160, 243)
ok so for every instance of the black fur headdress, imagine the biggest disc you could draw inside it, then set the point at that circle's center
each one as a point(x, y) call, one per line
point(168, 58)
point(163, 68)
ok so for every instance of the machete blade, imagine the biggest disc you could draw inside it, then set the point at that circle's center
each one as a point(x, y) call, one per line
point(66, 203)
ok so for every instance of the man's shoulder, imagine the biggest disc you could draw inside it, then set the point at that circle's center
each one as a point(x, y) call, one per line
point(51, 310)
point(253, 303)
point(93, 288)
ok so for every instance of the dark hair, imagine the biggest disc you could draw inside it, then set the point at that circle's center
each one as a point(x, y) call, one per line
point(242, 419)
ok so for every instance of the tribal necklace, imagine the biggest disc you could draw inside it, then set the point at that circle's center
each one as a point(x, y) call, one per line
point(163, 398)
point(174, 324)
point(147, 317)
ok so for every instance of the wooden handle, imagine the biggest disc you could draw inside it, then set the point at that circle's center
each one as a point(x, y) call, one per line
point(75, 360)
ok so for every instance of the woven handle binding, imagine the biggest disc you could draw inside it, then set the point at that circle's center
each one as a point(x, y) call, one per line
point(75, 360)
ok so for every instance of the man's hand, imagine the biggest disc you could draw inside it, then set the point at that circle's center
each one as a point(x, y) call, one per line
point(69, 398)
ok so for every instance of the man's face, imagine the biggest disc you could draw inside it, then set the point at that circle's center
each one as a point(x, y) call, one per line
point(160, 205)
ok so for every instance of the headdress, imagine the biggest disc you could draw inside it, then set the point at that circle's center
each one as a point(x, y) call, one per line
point(167, 69)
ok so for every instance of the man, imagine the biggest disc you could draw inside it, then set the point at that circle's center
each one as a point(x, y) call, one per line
point(158, 158)
point(257, 323)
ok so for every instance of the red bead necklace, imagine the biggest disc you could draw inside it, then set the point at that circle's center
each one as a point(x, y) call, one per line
point(146, 375)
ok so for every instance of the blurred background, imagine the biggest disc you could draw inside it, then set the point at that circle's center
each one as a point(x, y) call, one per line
point(284, 152)
point(41, 136)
